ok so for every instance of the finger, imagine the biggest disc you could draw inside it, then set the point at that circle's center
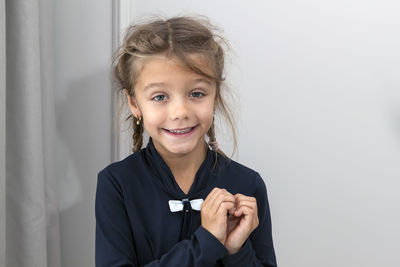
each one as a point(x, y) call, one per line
point(211, 194)
point(209, 199)
point(221, 196)
point(243, 197)
point(249, 221)
point(225, 208)
point(231, 210)
point(241, 211)
point(215, 193)
point(246, 211)
point(215, 198)
point(224, 201)
point(248, 203)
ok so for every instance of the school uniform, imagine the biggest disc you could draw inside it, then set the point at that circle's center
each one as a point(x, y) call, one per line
point(138, 225)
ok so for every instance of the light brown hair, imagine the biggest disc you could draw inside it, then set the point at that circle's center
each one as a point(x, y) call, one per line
point(179, 37)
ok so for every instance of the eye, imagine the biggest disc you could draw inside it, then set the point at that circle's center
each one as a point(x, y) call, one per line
point(196, 94)
point(159, 98)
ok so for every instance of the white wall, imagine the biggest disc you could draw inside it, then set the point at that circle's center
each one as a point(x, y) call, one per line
point(82, 52)
point(318, 83)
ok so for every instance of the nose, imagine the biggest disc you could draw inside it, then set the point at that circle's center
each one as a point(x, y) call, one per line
point(180, 109)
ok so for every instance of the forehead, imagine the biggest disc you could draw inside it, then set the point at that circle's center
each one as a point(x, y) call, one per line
point(169, 68)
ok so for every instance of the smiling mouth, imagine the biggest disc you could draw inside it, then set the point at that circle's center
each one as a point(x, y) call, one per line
point(180, 131)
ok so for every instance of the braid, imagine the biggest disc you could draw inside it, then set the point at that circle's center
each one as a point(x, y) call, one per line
point(137, 134)
point(212, 141)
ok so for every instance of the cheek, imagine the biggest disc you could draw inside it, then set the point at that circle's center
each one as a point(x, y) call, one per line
point(152, 118)
point(207, 115)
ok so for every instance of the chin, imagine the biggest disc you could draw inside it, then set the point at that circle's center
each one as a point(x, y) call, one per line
point(181, 150)
point(178, 147)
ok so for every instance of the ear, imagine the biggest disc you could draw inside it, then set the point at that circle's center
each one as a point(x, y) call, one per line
point(133, 106)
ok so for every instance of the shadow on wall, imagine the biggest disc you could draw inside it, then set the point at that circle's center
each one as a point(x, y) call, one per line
point(83, 142)
point(397, 125)
point(390, 105)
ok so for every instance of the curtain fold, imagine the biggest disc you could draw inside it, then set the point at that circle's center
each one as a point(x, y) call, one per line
point(2, 133)
point(32, 218)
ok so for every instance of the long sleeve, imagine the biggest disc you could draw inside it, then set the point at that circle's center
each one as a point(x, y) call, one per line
point(258, 249)
point(115, 244)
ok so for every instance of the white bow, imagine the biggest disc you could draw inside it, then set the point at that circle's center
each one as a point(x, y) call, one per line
point(177, 205)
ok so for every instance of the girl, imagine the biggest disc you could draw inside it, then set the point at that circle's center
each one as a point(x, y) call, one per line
point(179, 201)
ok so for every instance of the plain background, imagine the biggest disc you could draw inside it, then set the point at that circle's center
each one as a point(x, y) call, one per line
point(319, 118)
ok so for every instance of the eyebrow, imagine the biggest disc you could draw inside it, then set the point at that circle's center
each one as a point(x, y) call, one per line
point(151, 85)
point(202, 80)
point(162, 84)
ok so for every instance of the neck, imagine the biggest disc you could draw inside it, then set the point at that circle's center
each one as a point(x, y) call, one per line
point(185, 166)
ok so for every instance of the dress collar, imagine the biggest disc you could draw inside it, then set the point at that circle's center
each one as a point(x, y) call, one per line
point(163, 174)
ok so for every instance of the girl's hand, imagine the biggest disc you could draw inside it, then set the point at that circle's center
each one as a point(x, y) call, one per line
point(241, 223)
point(214, 212)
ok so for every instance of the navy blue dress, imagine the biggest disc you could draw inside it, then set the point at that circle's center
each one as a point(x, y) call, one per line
point(135, 227)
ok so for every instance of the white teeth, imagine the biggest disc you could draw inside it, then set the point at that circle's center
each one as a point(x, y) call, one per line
point(181, 131)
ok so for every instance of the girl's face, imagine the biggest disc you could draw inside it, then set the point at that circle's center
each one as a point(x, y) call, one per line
point(176, 105)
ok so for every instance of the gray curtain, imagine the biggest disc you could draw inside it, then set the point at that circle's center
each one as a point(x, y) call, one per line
point(32, 217)
point(2, 132)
